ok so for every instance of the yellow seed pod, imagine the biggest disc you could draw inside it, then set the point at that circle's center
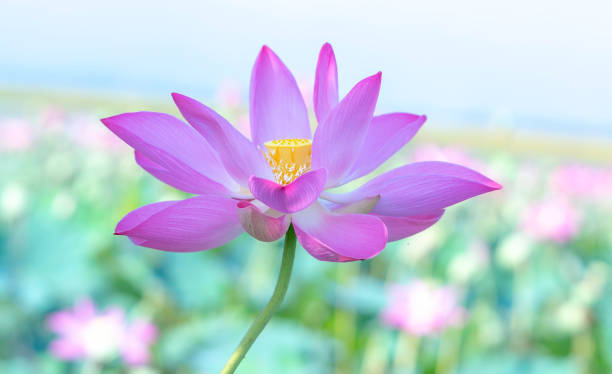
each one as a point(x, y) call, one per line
point(289, 158)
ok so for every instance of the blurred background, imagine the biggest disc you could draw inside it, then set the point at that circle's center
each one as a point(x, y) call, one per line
point(516, 281)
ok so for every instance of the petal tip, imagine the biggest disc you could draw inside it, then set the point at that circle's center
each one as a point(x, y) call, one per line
point(268, 56)
point(121, 228)
point(495, 186)
point(118, 119)
point(327, 48)
point(107, 121)
point(266, 51)
point(180, 99)
point(264, 57)
point(490, 183)
point(373, 79)
point(176, 95)
point(115, 122)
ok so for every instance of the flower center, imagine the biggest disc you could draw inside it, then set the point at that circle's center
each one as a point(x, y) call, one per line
point(289, 158)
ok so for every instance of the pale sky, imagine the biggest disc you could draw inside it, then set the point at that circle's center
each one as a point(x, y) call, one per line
point(474, 59)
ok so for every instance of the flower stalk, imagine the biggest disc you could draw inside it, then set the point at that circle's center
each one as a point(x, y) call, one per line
point(266, 314)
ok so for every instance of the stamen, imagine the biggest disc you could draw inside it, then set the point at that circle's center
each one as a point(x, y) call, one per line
point(289, 158)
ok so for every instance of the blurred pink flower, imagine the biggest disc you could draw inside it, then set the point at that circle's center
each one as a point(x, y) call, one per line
point(87, 334)
point(136, 341)
point(53, 119)
point(584, 181)
point(553, 219)
point(15, 135)
point(421, 308)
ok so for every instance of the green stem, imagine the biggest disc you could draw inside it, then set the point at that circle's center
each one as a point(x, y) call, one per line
point(266, 314)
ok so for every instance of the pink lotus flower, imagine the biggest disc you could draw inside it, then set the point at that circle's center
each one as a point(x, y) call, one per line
point(553, 219)
point(87, 334)
point(282, 175)
point(421, 308)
